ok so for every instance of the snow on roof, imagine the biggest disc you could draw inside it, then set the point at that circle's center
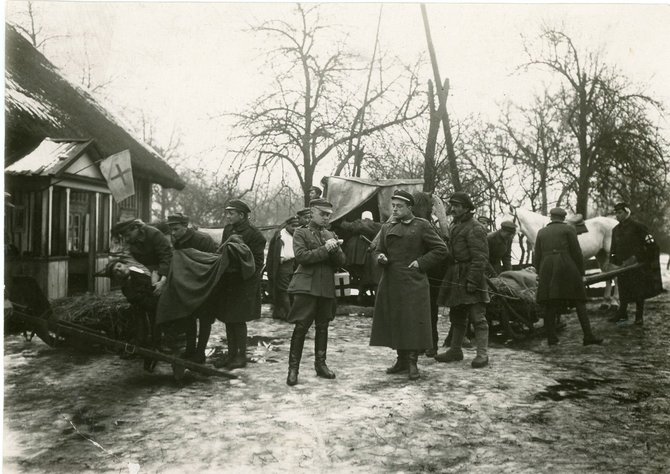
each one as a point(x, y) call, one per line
point(48, 158)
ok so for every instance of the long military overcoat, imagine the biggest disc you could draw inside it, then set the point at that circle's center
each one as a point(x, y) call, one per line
point(631, 238)
point(402, 306)
point(239, 299)
point(469, 260)
point(560, 264)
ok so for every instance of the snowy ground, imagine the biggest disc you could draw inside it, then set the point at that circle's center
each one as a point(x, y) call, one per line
point(567, 408)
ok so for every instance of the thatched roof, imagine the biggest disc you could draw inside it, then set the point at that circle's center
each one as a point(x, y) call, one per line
point(41, 103)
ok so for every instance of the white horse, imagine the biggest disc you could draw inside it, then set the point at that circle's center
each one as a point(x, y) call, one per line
point(594, 243)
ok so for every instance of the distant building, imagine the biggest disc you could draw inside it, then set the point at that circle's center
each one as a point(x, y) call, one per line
point(61, 207)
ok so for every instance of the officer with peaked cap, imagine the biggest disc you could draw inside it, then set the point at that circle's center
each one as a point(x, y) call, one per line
point(560, 265)
point(318, 255)
point(632, 243)
point(315, 192)
point(303, 216)
point(240, 300)
point(464, 288)
point(500, 247)
point(408, 248)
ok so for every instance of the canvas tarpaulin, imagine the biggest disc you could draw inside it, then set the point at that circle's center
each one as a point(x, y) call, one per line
point(347, 194)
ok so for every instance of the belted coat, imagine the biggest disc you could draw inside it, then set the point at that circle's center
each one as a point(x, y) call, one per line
point(469, 261)
point(239, 298)
point(315, 274)
point(402, 306)
point(558, 259)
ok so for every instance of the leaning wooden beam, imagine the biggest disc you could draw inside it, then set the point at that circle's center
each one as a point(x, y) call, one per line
point(43, 327)
point(604, 276)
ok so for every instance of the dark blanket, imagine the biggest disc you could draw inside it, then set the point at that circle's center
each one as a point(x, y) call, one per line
point(195, 274)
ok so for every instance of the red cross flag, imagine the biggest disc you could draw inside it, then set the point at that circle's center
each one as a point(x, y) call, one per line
point(119, 175)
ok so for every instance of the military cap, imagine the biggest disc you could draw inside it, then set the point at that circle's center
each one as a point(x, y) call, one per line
point(463, 199)
point(178, 218)
point(121, 227)
point(558, 213)
point(316, 189)
point(321, 204)
point(403, 196)
point(484, 220)
point(291, 220)
point(621, 206)
point(304, 212)
point(508, 225)
point(237, 205)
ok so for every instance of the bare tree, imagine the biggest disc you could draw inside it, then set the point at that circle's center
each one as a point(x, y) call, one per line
point(598, 104)
point(314, 111)
point(29, 23)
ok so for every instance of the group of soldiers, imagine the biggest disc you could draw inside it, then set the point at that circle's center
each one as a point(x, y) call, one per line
point(422, 267)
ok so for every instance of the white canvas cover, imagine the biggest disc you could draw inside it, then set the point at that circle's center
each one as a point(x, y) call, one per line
point(347, 194)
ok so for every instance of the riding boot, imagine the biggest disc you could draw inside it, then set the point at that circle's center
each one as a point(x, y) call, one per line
point(412, 359)
point(401, 364)
point(584, 322)
point(320, 347)
point(295, 354)
point(203, 339)
point(240, 359)
point(232, 347)
point(482, 340)
point(550, 324)
point(454, 353)
point(639, 312)
point(191, 334)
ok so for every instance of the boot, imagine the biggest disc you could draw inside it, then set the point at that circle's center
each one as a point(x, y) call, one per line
point(639, 313)
point(584, 322)
point(621, 314)
point(454, 353)
point(232, 347)
point(203, 338)
point(550, 325)
point(320, 347)
point(482, 340)
point(401, 364)
point(412, 358)
point(294, 356)
point(240, 359)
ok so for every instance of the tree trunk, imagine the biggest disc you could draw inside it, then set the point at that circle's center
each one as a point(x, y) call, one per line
point(429, 172)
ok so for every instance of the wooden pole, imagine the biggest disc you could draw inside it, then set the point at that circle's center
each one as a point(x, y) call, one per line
point(442, 92)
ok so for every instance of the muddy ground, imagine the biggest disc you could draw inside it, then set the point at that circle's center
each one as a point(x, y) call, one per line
point(567, 408)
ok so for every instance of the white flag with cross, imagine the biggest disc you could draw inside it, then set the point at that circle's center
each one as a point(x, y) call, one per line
point(119, 175)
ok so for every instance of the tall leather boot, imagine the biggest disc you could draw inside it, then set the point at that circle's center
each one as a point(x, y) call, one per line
point(232, 347)
point(295, 354)
point(320, 347)
point(639, 312)
point(584, 322)
point(412, 359)
point(550, 324)
point(203, 338)
point(401, 363)
point(240, 359)
point(454, 353)
point(482, 340)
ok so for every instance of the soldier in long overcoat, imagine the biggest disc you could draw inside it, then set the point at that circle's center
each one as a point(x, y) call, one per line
point(240, 299)
point(464, 288)
point(559, 262)
point(408, 247)
point(632, 243)
point(185, 237)
point(280, 265)
point(318, 254)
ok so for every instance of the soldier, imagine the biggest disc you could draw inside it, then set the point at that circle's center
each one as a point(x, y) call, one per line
point(318, 254)
point(632, 243)
point(240, 300)
point(560, 266)
point(149, 246)
point(184, 237)
point(280, 266)
point(304, 216)
point(315, 192)
point(408, 247)
point(500, 247)
point(464, 289)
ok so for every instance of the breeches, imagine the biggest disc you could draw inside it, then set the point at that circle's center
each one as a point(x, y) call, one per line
point(474, 313)
point(307, 309)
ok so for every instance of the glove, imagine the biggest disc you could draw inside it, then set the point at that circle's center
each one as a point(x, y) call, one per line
point(470, 287)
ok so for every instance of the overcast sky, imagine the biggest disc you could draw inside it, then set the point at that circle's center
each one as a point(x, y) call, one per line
point(188, 62)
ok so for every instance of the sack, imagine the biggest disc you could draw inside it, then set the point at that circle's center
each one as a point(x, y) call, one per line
point(342, 281)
